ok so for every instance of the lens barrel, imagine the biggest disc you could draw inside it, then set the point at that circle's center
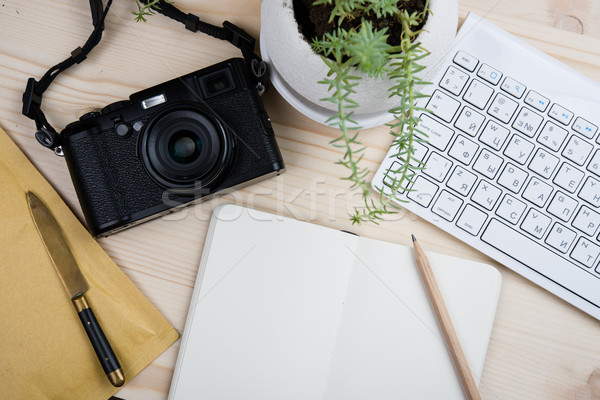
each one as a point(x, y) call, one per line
point(186, 146)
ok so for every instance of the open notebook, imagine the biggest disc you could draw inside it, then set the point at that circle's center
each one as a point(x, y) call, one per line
point(284, 309)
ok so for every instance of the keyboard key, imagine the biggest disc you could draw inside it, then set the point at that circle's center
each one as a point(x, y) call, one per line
point(585, 127)
point(543, 163)
point(537, 192)
point(562, 206)
point(437, 167)
point(535, 223)
point(594, 165)
point(393, 173)
point(422, 191)
point(511, 209)
point(527, 122)
point(568, 177)
point(587, 221)
point(494, 135)
point(513, 87)
point(560, 238)
point(469, 121)
point(417, 156)
point(454, 80)
point(585, 252)
point(443, 105)
point(463, 149)
point(519, 149)
point(437, 135)
point(490, 74)
point(537, 101)
point(419, 153)
point(447, 205)
point(471, 220)
point(503, 108)
point(461, 180)
point(577, 150)
point(560, 114)
point(531, 254)
point(488, 164)
point(466, 61)
point(590, 192)
point(552, 136)
point(512, 178)
point(486, 195)
point(478, 94)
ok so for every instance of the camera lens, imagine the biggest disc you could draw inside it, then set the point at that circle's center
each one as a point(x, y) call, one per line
point(186, 146)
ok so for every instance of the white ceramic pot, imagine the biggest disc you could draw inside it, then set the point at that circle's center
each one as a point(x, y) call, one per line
point(295, 69)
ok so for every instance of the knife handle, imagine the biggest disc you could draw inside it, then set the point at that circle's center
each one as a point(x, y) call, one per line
point(105, 353)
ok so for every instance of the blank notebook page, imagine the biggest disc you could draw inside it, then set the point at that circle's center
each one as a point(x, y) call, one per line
point(265, 318)
point(389, 345)
point(284, 309)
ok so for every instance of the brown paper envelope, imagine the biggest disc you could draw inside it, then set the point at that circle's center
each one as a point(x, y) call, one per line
point(44, 350)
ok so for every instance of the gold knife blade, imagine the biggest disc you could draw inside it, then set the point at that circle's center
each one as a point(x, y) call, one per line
point(57, 247)
point(68, 270)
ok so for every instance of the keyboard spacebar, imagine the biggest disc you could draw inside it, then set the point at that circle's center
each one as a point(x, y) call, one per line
point(542, 260)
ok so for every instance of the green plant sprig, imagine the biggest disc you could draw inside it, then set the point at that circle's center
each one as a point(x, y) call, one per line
point(368, 51)
point(404, 69)
point(355, 48)
point(343, 9)
point(145, 10)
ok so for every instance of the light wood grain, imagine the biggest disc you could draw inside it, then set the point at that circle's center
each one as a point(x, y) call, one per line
point(541, 347)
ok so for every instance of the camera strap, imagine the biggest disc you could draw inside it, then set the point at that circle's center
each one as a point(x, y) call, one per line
point(32, 98)
point(48, 137)
point(229, 32)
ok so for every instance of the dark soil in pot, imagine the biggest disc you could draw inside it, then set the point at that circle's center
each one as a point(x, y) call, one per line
point(313, 21)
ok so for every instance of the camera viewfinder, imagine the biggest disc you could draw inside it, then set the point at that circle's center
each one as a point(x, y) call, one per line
point(217, 83)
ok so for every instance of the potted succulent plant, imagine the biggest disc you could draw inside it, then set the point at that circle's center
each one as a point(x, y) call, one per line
point(359, 63)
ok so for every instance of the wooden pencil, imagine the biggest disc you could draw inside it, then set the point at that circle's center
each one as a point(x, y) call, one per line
point(456, 352)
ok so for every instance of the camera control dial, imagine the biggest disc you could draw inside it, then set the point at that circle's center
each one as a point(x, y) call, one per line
point(92, 114)
point(115, 106)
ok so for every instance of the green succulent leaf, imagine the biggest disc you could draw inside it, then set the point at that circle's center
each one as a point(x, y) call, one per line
point(367, 50)
point(145, 10)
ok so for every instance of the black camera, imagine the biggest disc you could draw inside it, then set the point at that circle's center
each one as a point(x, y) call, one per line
point(170, 145)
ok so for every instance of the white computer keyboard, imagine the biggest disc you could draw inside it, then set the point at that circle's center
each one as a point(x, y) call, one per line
point(513, 161)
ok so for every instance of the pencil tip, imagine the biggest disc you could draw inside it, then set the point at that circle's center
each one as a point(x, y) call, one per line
point(414, 238)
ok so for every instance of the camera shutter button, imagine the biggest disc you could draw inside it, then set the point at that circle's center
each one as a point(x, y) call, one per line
point(122, 129)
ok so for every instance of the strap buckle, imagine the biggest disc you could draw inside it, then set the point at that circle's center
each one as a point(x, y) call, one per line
point(78, 55)
point(239, 37)
point(191, 22)
point(31, 100)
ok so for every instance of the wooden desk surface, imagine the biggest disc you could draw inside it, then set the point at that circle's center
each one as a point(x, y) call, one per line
point(541, 347)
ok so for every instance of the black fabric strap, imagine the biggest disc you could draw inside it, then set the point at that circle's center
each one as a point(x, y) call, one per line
point(229, 32)
point(32, 98)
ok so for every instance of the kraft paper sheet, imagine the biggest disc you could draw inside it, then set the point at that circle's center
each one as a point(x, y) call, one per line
point(44, 350)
